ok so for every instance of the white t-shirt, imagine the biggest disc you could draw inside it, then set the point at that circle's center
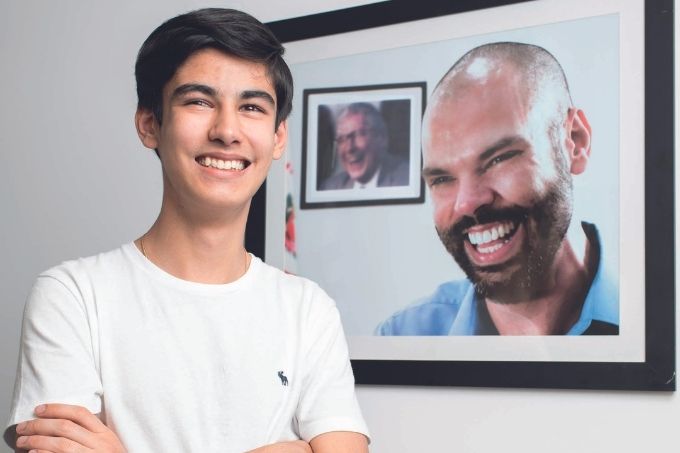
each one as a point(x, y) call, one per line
point(180, 366)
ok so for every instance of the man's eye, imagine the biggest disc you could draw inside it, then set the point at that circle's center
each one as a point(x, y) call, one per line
point(501, 158)
point(439, 180)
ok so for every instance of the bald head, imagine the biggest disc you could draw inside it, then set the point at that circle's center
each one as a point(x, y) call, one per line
point(532, 74)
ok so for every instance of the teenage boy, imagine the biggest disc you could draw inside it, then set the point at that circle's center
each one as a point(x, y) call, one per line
point(182, 340)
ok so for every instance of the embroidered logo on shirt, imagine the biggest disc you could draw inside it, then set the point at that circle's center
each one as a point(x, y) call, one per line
point(284, 379)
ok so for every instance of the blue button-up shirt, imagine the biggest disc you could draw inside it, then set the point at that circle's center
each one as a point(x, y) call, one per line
point(456, 309)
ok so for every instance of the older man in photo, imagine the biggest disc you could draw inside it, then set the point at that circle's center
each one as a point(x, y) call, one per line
point(362, 148)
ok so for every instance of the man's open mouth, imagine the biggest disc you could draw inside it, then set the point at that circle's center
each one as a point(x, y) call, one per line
point(491, 239)
point(355, 160)
point(220, 164)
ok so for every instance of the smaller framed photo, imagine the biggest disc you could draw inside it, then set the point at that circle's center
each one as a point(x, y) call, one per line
point(361, 146)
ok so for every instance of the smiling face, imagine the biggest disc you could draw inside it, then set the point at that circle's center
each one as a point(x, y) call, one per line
point(360, 146)
point(218, 137)
point(499, 181)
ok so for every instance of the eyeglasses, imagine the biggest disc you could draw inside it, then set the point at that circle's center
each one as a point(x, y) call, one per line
point(362, 133)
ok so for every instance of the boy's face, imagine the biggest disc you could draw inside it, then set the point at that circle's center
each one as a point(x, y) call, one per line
point(218, 135)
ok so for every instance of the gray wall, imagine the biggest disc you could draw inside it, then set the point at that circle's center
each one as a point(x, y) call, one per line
point(76, 181)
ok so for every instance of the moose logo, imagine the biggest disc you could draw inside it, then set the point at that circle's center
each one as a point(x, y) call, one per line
point(284, 379)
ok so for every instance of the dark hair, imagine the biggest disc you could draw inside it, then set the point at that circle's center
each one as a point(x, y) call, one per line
point(233, 32)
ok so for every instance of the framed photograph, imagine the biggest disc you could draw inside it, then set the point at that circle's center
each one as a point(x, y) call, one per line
point(419, 285)
point(362, 145)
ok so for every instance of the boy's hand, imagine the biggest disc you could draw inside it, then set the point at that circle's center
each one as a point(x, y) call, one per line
point(62, 428)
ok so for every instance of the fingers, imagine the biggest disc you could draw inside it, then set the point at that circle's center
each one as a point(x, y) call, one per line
point(43, 427)
point(66, 428)
point(50, 444)
point(77, 414)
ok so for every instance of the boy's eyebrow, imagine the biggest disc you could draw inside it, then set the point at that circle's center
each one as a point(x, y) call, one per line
point(250, 94)
point(189, 87)
point(210, 91)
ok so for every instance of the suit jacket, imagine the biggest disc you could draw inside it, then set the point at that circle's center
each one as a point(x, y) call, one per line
point(393, 172)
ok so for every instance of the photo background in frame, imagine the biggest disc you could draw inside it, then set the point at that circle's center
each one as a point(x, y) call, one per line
point(376, 260)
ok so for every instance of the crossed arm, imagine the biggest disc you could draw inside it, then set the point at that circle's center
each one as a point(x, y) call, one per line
point(62, 428)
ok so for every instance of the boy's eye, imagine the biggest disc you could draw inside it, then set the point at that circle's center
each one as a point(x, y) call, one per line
point(199, 102)
point(252, 108)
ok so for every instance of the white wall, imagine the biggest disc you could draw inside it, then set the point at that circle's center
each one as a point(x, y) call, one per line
point(74, 181)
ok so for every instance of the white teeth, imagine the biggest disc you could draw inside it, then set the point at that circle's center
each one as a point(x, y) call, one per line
point(491, 234)
point(491, 249)
point(221, 164)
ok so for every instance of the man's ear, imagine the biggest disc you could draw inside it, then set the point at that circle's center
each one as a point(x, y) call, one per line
point(578, 140)
point(147, 127)
point(280, 139)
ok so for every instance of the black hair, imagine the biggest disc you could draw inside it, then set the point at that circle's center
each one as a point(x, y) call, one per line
point(233, 32)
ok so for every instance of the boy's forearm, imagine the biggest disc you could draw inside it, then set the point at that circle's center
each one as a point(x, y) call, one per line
point(340, 442)
point(298, 446)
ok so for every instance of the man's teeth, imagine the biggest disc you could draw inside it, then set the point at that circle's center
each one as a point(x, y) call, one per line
point(221, 164)
point(489, 249)
point(491, 234)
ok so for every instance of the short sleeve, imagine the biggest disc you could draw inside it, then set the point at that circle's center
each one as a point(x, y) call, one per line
point(57, 355)
point(328, 401)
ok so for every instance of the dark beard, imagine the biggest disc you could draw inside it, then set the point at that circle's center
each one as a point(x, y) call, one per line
point(524, 276)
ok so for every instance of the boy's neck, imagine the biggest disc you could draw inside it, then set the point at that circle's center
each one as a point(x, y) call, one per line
point(198, 250)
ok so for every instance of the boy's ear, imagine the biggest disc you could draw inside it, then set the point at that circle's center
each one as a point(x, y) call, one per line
point(280, 139)
point(147, 127)
point(579, 134)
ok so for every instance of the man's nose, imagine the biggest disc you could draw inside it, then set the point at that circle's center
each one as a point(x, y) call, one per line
point(473, 193)
point(226, 127)
point(349, 147)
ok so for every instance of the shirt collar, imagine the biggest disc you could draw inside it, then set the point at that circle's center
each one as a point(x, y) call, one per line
point(602, 301)
point(370, 184)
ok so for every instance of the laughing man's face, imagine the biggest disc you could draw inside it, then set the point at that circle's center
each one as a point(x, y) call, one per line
point(499, 183)
point(360, 146)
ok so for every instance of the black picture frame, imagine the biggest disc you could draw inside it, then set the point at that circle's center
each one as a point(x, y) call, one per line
point(657, 371)
point(401, 107)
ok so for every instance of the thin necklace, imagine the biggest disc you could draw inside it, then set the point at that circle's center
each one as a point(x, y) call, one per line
point(245, 266)
point(141, 245)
